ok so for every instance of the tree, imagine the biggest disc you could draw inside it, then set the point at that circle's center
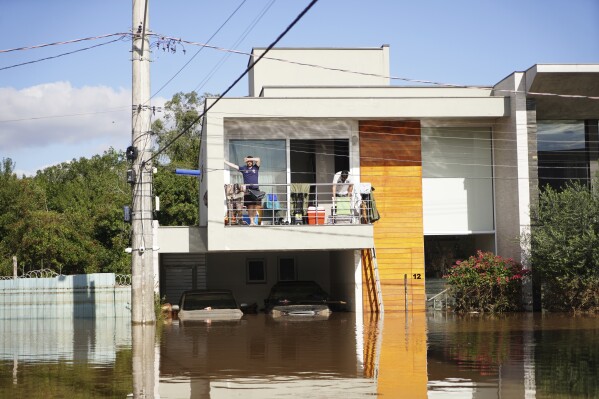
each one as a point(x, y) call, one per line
point(179, 139)
point(19, 199)
point(565, 247)
point(180, 113)
point(68, 217)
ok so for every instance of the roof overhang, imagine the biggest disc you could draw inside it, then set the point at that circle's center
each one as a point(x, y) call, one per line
point(579, 81)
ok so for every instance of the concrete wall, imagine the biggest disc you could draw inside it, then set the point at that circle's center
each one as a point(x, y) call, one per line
point(228, 270)
point(305, 118)
point(274, 72)
point(374, 92)
point(512, 154)
point(345, 266)
point(78, 296)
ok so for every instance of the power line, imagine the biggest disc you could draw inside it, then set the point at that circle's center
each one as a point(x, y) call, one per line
point(118, 109)
point(291, 25)
point(62, 55)
point(391, 77)
point(65, 42)
point(201, 48)
point(246, 32)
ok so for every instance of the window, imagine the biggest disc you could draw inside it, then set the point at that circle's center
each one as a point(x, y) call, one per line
point(287, 269)
point(256, 271)
point(273, 162)
point(563, 153)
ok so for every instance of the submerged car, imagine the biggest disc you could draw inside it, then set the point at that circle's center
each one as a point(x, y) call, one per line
point(208, 305)
point(299, 298)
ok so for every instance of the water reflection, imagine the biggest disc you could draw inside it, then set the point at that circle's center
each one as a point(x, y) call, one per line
point(413, 356)
point(513, 356)
point(265, 356)
point(44, 358)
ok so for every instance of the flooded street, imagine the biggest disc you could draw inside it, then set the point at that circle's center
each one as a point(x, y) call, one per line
point(419, 356)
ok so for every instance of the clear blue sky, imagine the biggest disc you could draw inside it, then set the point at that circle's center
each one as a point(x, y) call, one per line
point(79, 104)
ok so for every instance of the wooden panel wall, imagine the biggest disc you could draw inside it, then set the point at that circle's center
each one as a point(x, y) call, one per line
point(390, 159)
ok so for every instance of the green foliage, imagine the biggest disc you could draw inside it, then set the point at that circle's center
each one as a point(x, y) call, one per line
point(565, 236)
point(486, 283)
point(178, 198)
point(565, 247)
point(67, 218)
point(179, 195)
point(180, 114)
point(575, 294)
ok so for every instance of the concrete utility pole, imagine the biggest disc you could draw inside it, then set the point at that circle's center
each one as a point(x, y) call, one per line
point(140, 176)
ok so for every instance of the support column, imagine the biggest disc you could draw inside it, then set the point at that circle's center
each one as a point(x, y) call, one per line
point(142, 269)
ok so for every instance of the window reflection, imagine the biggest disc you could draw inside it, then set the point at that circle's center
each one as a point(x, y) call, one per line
point(562, 153)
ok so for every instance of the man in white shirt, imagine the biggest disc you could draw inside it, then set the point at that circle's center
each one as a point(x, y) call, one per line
point(343, 186)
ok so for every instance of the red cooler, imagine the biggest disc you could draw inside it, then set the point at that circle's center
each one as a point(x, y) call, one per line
point(316, 215)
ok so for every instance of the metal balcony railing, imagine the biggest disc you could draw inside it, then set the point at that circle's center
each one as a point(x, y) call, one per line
point(299, 204)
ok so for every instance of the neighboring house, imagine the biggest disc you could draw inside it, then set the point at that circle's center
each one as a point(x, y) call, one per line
point(454, 169)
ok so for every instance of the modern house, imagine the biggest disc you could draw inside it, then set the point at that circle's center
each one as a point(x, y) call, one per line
point(451, 169)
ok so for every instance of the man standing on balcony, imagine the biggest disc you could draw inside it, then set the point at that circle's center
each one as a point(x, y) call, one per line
point(250, 173)
point(343, 186)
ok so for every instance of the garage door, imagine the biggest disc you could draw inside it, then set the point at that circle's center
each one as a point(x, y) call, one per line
point(180, 272)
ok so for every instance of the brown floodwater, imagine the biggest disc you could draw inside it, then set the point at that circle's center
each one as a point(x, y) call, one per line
point(424, 355)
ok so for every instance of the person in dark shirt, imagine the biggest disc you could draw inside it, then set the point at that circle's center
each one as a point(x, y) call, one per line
point(250, 172)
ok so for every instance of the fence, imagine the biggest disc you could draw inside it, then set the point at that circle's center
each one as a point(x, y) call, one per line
point(302, 203)
point(46, 295)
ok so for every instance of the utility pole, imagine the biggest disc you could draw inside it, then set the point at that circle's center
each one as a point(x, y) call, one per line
point(140, 176)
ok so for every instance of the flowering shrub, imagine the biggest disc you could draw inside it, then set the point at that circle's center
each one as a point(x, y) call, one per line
point(486, 283)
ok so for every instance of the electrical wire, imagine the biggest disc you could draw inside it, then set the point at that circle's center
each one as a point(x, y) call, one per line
point(239, 40)
point(198, 52)
point(274, 43)
point(63, 54)
point(66, 42)
point(390, 77)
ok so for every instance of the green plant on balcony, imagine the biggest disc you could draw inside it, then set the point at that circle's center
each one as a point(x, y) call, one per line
point(486, 283)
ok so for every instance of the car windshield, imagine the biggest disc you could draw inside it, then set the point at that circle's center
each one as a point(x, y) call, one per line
point(298, 291)
point(218, 300)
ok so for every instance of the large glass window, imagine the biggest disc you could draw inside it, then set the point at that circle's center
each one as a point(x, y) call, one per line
point(273, 162)
point(563, 155)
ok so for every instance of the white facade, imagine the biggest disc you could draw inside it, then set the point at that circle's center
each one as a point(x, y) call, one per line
point(478, 148)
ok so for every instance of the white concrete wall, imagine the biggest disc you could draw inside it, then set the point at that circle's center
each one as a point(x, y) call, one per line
point(377, 92)
point(182, 239)
point(310, 118)
point(204, 176)
point(272, 70)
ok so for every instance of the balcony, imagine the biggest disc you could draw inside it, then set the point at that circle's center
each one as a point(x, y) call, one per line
point(298, 216)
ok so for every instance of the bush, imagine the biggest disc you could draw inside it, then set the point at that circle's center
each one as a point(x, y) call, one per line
point(486, 283)
point(576, 294)
point(565, 247)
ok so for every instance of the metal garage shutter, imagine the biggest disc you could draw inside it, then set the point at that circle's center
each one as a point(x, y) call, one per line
point(181, 272)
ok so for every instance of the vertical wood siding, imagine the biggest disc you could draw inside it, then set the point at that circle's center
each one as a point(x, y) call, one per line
point(390, 159)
